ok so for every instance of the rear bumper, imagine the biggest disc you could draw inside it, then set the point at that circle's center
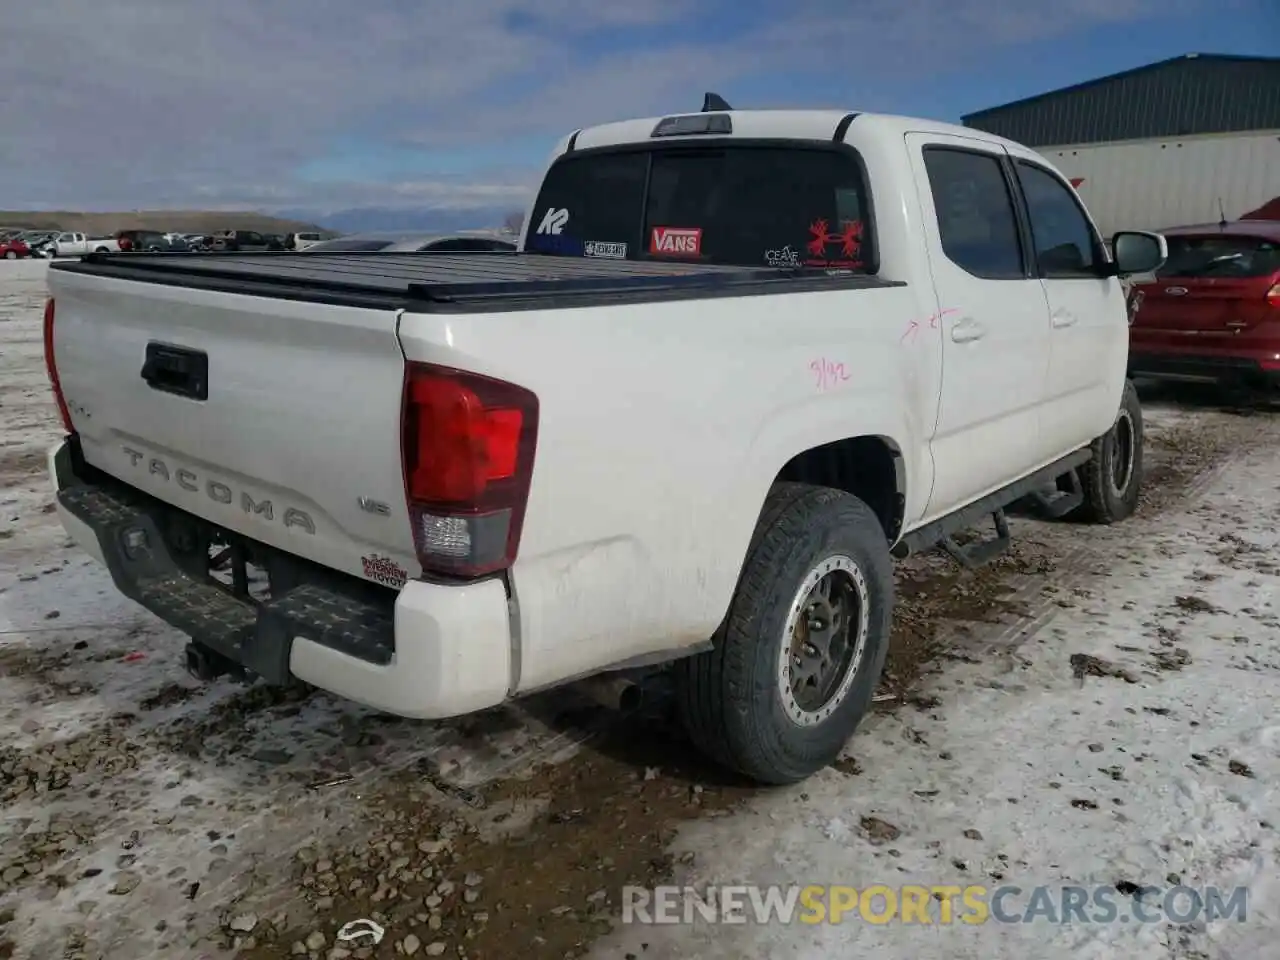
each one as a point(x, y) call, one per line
point(430, 651)
point(1233, 371)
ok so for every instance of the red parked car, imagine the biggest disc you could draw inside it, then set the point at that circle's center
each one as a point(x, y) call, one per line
point(14, 249)
point(1213, 312)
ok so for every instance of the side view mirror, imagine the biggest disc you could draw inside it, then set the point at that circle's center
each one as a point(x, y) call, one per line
point(1137, 251)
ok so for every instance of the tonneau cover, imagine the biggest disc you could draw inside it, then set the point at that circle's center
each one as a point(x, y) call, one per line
point(440, 278)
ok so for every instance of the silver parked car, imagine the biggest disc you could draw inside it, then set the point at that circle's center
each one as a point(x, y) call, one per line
point(404, 242)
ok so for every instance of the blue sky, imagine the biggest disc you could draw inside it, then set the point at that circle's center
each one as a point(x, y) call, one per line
point(939, 91)
point(326, 105)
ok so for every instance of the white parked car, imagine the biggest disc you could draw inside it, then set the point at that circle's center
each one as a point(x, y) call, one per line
point(301, 241)
point(71, 244)
point(744, 359)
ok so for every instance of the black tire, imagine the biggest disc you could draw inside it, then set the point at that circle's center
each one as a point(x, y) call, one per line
point(10, 255)
point(1112, 479)
point(731, 699)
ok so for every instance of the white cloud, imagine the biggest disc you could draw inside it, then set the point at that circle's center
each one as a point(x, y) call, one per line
point(146, 103)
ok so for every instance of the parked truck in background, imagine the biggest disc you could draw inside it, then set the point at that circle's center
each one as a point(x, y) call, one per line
point(742, 359)
point(71, 244)
point(1161, 184)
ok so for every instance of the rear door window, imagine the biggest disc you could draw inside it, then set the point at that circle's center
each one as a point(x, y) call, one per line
point(1221, 256)
point(736, 205)
point(977, 222)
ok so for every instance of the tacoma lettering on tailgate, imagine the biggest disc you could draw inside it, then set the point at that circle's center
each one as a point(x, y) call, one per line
point(217, 491)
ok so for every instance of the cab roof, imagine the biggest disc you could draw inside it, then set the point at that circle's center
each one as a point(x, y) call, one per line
point(770, 125)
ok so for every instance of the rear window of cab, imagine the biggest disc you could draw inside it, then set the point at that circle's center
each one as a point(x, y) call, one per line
point(734, 205)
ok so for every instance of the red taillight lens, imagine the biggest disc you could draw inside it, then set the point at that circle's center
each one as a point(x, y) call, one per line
point(51, 367)
point(1273, 296)
point(468, 444)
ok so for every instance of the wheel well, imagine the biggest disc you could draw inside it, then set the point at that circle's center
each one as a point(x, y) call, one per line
point(870, 468)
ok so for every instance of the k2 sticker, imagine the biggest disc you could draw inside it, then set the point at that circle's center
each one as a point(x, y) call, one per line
point(553, 221)
point(676, 241)
point(609, 251)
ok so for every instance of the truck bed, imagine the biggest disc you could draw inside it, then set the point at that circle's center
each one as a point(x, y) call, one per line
point(457, 282)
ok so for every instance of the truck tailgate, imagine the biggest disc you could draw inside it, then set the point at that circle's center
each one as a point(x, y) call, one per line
point(294, 438)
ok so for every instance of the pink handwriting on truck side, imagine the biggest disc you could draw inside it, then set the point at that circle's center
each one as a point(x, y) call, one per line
point(827, 373)
point(914, 326)
point(933, 321)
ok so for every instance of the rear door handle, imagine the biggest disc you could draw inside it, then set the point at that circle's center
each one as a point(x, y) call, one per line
point(966, 329)
point(1062, 318)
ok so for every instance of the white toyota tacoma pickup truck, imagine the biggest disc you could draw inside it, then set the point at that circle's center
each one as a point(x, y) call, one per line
point(741, 360)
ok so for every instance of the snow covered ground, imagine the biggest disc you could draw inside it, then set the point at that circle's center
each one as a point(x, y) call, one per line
point(1162, 773)
point(145, 816)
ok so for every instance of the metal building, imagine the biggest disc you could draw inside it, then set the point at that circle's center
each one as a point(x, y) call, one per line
point(1193, 139)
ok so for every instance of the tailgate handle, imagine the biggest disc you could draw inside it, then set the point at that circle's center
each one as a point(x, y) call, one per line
point(177, 370)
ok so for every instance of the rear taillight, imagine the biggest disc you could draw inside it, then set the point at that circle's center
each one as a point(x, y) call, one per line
point(1273, 296)
point(51, 367)
point(468, 444)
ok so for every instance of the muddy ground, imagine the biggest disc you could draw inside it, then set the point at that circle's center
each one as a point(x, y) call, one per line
point(148, 816)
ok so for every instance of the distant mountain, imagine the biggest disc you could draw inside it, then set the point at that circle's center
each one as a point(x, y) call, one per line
point(359, 219)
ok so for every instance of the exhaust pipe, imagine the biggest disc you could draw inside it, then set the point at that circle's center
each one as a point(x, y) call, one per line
point(612, 691)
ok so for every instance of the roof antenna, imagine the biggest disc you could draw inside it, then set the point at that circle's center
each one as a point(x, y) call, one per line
point(714, 102)
point(1222, 213)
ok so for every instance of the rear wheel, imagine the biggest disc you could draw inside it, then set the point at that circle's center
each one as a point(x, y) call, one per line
point(10, 255)
point(796, 663)
point(1112, 479)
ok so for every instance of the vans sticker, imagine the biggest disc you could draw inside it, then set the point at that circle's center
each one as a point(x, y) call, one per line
point(676, 241)
point(609, 251)
point(553, 221)
point(849, 252)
